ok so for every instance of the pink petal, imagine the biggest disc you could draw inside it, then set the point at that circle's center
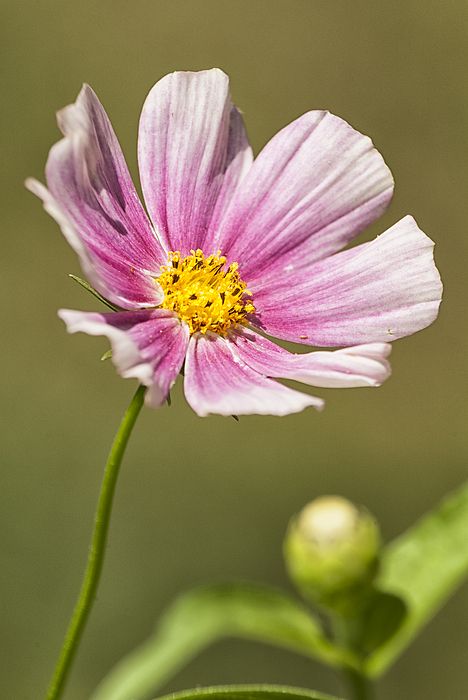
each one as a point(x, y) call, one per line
point(362, 365)
point(148, 345)
point(192, 151)
point(217, 380)
point(93, 199)
point(240, 158)
point(312, 189)
point(375, 292)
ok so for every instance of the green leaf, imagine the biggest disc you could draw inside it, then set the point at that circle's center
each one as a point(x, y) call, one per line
point(423, 568)
point(248, 692)
point(95, 293)
point(382, 618)
point(207, 614)
point(107, 355)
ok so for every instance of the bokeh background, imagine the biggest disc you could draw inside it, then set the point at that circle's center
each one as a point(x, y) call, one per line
point(209, 500)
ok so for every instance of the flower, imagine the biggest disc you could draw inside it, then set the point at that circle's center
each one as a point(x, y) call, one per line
point(331, 552)
point(236, 249)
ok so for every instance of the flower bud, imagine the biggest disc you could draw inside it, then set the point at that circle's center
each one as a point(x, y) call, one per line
point(331, 550)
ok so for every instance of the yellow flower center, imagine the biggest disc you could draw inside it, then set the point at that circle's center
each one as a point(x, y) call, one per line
point(205, 294)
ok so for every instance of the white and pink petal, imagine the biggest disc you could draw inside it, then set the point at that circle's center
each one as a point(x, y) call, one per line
point(376, 292)
point(239, 160)
point(311, 190)
point(148, 345)
point(361, 365)
point(91, 195)
point(192, 152)
point(217, 380)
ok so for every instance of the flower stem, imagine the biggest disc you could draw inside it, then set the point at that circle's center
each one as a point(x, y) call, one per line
point(97, 548)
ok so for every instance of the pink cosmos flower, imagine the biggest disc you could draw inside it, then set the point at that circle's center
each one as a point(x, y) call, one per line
point(235, 249)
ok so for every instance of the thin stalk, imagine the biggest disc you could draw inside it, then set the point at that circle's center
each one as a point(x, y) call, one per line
point(97, 548)
point(359, 686)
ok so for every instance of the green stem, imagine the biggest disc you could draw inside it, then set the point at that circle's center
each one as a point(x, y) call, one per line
point(345, 632)
point(97, 548)
point(359, 686)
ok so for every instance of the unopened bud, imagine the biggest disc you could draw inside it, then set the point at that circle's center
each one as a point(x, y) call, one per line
point(331, 552)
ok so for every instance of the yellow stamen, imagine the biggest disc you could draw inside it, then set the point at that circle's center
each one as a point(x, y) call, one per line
point(203, 293)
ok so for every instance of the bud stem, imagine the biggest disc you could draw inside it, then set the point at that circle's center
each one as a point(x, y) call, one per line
point(97, 548)
point(359, 685)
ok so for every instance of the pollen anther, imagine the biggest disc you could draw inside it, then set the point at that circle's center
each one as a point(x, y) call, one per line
point(205, 293)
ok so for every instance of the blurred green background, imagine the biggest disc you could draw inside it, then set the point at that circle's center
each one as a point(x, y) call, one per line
point(208, 499)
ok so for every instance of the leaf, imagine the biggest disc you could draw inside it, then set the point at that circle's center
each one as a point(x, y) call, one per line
point(248, 692)
point(207, 614)
point(107, 355)
point(423, 568)
point(382, 618)
point(95, 293)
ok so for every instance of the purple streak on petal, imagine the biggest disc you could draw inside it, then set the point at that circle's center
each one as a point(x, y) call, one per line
point(192, 150)
point(312, 189)
point(217, 380)
point(148, 345)
point(375, 292)
point(92, 197)
point(238, 162)
point(362, 365)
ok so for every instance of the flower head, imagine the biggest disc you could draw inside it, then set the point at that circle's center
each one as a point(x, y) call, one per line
point(233, 249)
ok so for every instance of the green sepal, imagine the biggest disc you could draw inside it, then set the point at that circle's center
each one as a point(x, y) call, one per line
point(107, 355)
point(95, 293)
